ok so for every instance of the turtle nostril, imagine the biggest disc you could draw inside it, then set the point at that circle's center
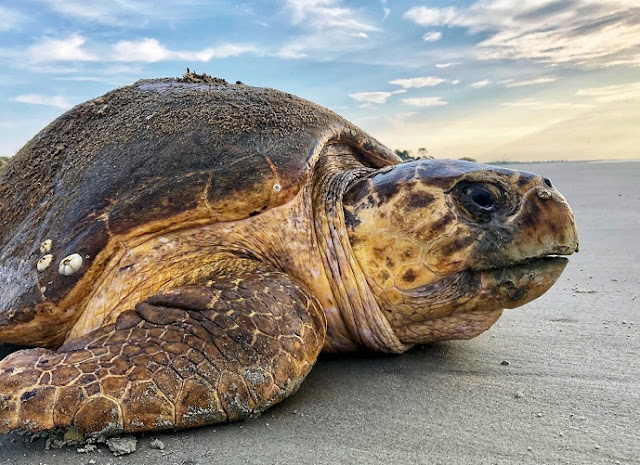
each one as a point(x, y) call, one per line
point(547, 182)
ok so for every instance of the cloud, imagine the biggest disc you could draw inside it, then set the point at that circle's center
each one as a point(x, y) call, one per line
point(69, 49)
point(425, 16)
point(446, 65)
point(147, 50)
point(327, 27)
point(321, 14)
point(425, 101)
point(150, 50)
point(100, 11)
point(374, 97)
point(584, 33)
point(38, 99)
point(614, 93)
point(115, 75)
point(432, 36)
point(534, 104)
point(293, 51)
point(427, 81)
point(480, 84)
point(11, 19)
point(140, 13)
point(531, 82)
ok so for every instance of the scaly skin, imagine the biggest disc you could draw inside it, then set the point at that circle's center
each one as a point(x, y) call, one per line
point(222, 351)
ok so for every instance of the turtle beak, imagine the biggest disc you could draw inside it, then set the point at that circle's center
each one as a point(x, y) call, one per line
point(545, 226)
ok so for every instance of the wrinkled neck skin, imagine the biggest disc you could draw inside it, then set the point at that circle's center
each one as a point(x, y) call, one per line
point(353, 314)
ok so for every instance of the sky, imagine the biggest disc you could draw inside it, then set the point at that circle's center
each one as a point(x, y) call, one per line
point(495, 80)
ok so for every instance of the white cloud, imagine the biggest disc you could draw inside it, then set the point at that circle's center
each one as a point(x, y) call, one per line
point(69, 49)
point(426, 16)
point(292, 51)
point(535, 104)
point(425, 101)
point(530, 82)
point(446, 65)
point(38, 99)
point(479, 84)
point(140, 13)
point(115, 75)
point(427, 81)
point(11, 19)
point(145, 50)
point(407, 115)
point(614, 93)
point(321, 14)
point(101, 11)
point(327, 27)
point(432, 36)
point(150, 50)
point(585, 33)
point(455, 82)
point(374, 97)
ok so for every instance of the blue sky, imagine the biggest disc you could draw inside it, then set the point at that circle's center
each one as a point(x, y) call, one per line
point(491, 79)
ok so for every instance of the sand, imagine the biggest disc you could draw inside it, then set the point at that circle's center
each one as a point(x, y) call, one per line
point(570, 392)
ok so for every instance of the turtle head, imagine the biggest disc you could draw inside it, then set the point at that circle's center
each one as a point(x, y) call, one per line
point(447, 245)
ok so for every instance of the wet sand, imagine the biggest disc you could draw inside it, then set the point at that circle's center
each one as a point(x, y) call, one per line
point(570, 393)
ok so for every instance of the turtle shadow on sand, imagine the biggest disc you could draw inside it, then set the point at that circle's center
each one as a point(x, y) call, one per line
point(180, 251)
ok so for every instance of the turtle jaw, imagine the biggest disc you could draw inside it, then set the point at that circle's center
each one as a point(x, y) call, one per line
point(487, 289)
point(467, 303)
point(520, 283)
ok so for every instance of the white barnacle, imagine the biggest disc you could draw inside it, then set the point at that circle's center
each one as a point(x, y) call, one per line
point(277, 188)
point(46, 246)
point(44, 262)
point(70, 264)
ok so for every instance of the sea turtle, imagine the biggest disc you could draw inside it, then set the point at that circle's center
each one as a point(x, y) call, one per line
point(181, 250)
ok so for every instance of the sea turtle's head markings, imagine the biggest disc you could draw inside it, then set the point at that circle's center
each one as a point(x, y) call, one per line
point(443, 241)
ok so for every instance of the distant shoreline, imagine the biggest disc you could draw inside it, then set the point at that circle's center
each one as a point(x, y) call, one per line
point(622, 160)
point(535, 162)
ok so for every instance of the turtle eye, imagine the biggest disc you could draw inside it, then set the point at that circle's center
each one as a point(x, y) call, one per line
point(481, 195)
point(479, 200)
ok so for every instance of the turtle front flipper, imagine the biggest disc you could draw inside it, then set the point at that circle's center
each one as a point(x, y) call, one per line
point(190, 356)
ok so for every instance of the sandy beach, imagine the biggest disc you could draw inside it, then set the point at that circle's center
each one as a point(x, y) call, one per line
point(554, 382)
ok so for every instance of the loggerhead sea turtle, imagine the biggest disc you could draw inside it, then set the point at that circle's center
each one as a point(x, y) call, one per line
point(181, 250)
